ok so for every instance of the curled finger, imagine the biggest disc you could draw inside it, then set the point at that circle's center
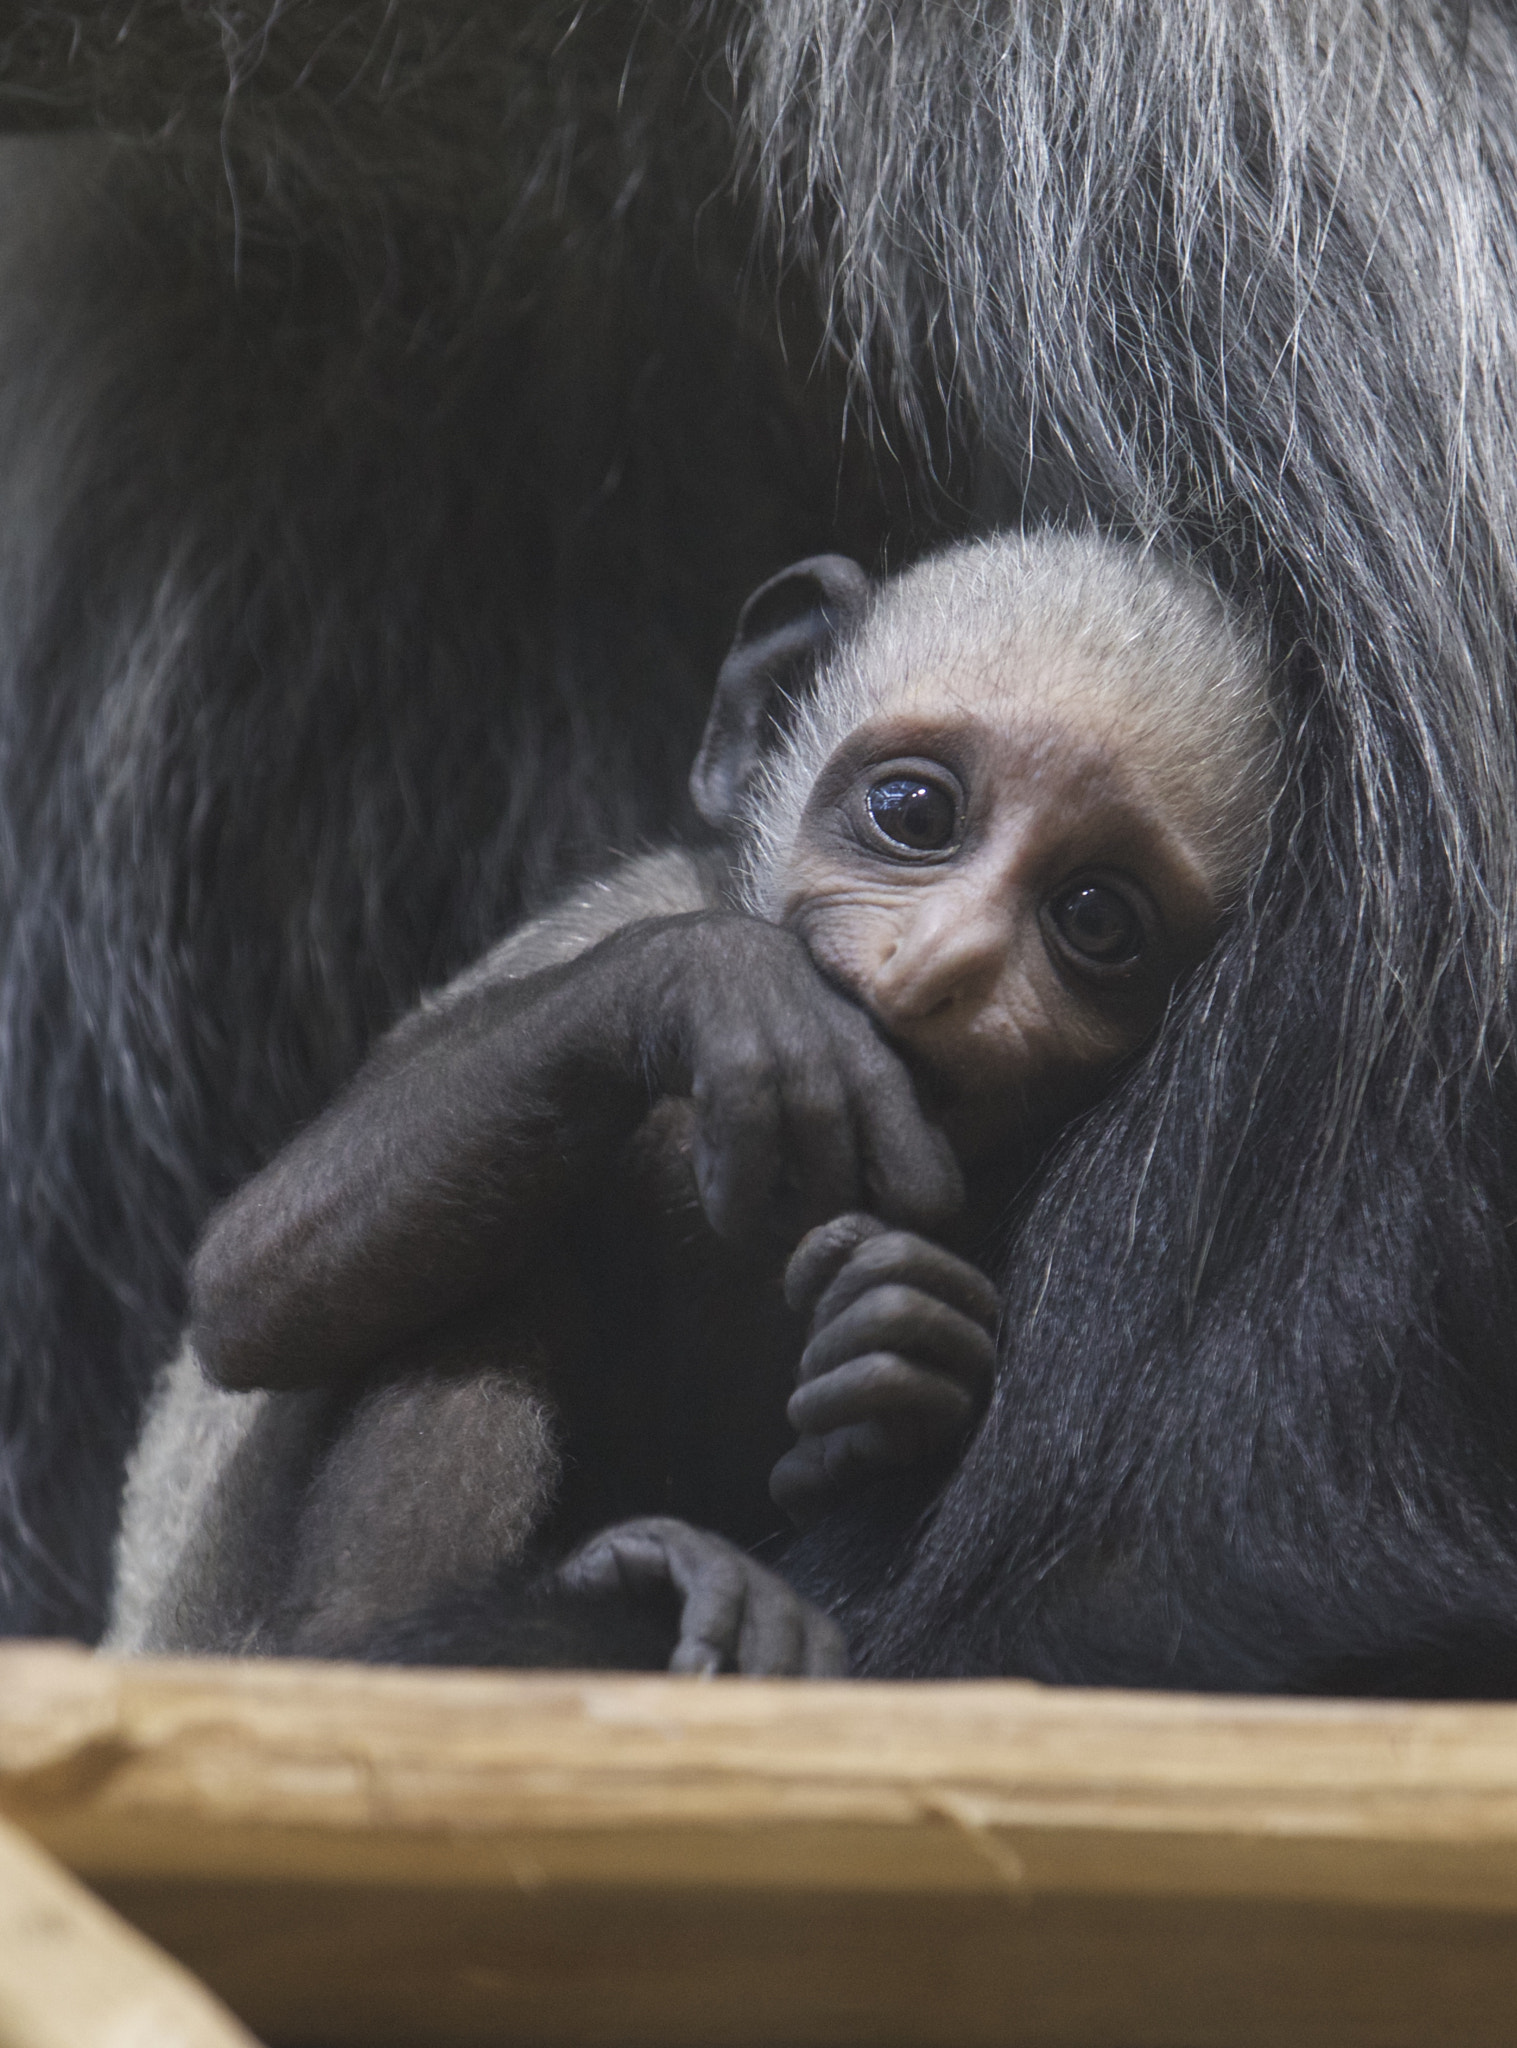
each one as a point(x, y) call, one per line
point(894, 1318)
point(823, 1254)
point(800, 1484)
point(772, 1640)
point(910, 1174)
point(737, 1150)
point(917, 1410)
point(823, 1169)
point(880, 1257)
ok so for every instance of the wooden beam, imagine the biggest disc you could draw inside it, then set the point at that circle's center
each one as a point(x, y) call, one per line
point(388, 1857)
point(75, 1975)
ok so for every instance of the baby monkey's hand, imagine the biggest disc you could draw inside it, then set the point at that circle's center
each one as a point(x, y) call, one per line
point(898, 1361)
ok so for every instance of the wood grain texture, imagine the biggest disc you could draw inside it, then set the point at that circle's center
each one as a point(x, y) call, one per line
point(75, 1975)
point(407, 1858)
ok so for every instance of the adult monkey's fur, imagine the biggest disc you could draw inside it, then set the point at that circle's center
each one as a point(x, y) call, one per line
point(407, 453)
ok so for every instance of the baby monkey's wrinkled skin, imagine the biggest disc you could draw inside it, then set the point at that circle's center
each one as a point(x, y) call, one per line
point(520, 1280)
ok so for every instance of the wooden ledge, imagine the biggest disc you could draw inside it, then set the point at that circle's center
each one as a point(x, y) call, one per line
point(352, 1856)
point(74, 1975)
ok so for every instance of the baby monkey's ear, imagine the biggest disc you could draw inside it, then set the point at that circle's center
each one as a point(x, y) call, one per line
point(783, 630)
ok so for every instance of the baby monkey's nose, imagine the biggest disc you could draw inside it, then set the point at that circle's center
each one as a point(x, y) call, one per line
point(950, 956)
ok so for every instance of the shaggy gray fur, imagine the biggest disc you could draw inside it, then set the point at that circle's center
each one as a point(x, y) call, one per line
point(1236, 279)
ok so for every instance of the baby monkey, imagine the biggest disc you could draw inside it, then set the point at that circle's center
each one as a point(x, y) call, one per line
point(517, 1284)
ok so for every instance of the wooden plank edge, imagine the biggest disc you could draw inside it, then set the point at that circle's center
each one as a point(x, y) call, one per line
point(280, 1773)
point(73, 1974)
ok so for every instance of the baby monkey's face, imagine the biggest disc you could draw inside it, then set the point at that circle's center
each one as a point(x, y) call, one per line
point(1011, 889)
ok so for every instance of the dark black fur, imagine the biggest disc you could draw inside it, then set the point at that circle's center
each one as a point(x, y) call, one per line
point(505, 1624)
point(377, 434)
point(383, 466)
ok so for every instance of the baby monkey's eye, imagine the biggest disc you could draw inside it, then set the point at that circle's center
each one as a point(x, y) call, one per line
point(1096, 922)
point(914, 812)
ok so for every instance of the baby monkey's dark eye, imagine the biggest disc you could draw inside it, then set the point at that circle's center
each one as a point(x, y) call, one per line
point(914, 812)
point(1097, 922)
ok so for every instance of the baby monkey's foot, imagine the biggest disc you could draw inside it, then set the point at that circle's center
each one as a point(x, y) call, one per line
point(734, 1615)
point(898, 1364)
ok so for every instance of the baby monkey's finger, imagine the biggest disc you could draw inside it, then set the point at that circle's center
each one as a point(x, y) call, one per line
point(899, 1257)
point(823, 1168)
point(911, 1176)
point(738, 1145)
point(800, 1484)
point(918, 1411)
point(783, 1636)
point(822, 1253)
point(907, 1322)
point(861, 1451)
point(711, 1618)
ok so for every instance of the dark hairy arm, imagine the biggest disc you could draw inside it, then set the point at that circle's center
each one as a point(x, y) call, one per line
point(442, 1172)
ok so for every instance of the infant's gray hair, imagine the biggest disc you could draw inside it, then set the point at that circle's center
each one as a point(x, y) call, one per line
point(1025, 615)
